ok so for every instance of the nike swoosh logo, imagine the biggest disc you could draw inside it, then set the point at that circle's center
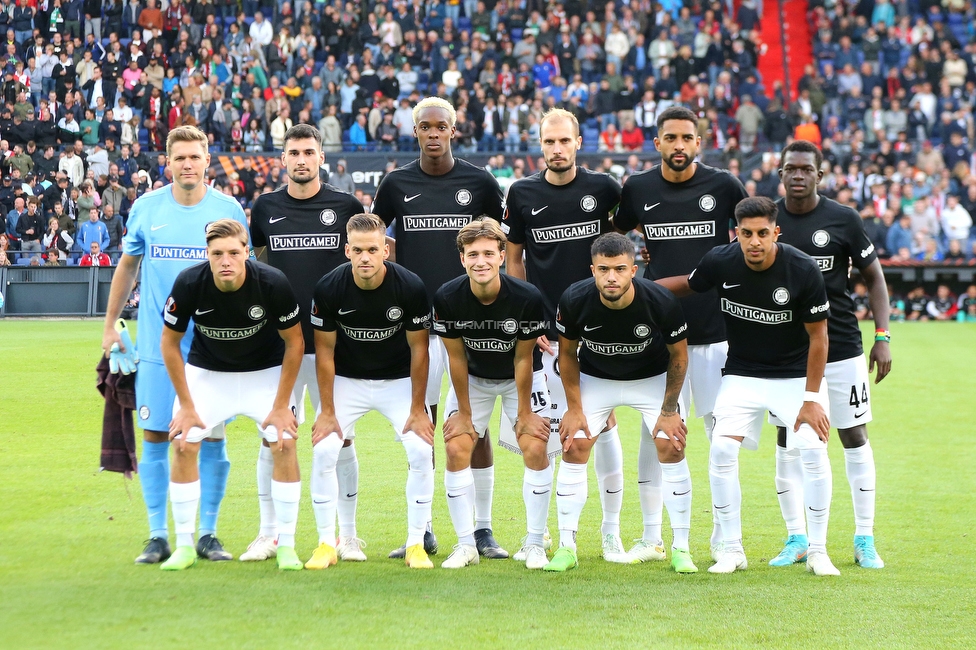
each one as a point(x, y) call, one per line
point(860, 415)
point(201, 313)
point(643, 482)
point(408, 199)
point(651, 207)
point(863, 490)
point(535, 212)
point(348, 311)
point(587, 328)
point(726, 285)
point(680, 494)
point(615, 491)
point(560, 494)
point(451, 496)
point(155, 228)
point(276, 220)
point(783, 492)
point(723, 507)
point(318, 503)
point(349, 496)
point(422, 503)
point(537, 492)
point(817, 509)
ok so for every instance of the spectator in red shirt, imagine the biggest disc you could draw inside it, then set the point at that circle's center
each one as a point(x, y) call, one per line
point(96, 257)
point(631, 137)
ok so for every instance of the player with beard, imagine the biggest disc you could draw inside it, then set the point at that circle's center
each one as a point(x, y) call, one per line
point(775, 307)
point(622, 343)
point(684, 209)
point(430, 200)
point(551, 219)
point(303, 229)
point(833, 234)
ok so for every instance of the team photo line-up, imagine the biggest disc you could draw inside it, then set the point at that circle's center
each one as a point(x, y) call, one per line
point(742, 311)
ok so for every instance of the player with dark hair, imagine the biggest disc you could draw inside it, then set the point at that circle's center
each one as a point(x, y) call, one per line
point(622, 343)
point(430, 200)
point(371, 318)
point(833, 234)
point(302, 226)
point(164, 235)
point(683, 209)
point(243, 361)
point(775, 308)
point(551, 219)
point(490, 323)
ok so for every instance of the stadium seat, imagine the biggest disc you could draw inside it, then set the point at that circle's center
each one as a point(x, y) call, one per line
point(648, 146)
point(464, 23)
point(516, 34)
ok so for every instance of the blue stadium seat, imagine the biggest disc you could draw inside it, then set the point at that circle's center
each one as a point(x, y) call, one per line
point(516, 34)
point(648, 146)
point(955, 19)
point(464, 23)
point(591, 123)
point(959, 31)
point(125, 43)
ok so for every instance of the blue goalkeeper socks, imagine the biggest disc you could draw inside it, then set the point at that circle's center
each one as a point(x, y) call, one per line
point(154, 477)
point(214, 468)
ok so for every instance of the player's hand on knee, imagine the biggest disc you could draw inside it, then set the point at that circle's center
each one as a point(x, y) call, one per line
point(573, 421)
point(814, 415)
point(458, 425)
point(184, 420)
point(880, 355)
point(545, 345)
point(325, 426)
point(533, 425)
point(419, 422)
point(284, 422)
point(672, 426)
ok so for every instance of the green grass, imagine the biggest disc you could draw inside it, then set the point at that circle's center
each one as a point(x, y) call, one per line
point(68, 535)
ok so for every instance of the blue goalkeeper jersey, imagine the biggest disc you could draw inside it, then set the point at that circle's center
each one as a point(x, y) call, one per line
point(169, 237)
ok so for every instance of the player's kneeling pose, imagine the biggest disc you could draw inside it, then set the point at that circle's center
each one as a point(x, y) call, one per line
point(630, 334)
point(371, 318)
point(243, 360)
point(490, 323)
point(775, 307)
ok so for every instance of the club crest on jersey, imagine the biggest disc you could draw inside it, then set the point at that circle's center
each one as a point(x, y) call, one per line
point(394, 313)
point(463, 197)
point(781, 296)
point(169, 311)
point(642, 331)
point(509, 326)
point(327, 217)
point(821, 238)
point(706, 203)
point(256, 312)
point(143, 412)
point(588, 203)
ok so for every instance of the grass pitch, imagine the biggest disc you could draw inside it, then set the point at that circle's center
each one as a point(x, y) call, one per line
point(68, 535)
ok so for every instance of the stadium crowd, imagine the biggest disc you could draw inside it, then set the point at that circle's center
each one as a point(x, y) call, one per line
point(92, 87)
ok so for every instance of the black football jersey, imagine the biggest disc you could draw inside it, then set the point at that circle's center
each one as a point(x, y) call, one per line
point(491, 331)
point(234, 331)
point(833, 235)
point(305, 238)
point(765, 311)
point(680, 223)
point(622, 344)
point(430, 210)
point(371, 325)
point(557, 224)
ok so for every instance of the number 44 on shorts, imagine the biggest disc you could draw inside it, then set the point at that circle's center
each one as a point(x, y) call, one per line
point(855, 402)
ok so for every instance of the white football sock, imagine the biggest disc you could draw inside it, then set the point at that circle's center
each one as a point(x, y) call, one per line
point(608, 461)
point(536, 492)
point(649, 483)
point(861, 475)
point(286, 497)
point(789, 489)
point(716, 539)
point(185, 499)
point(484, 489)
point(347, 473)
point(570, 499)
point(723, 474)
point(460, 503)
point(677, 498)
point(817, 488)
point(420, 486)
point(325, 487)
point(269, 523)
